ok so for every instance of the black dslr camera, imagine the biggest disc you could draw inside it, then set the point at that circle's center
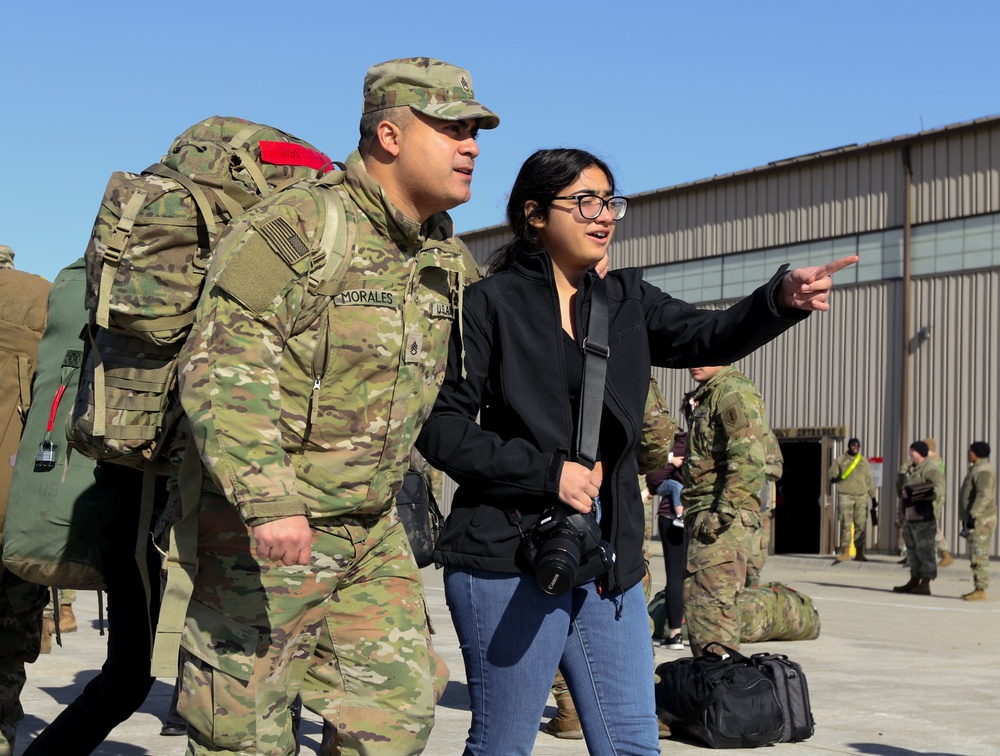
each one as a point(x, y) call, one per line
point(565, 548)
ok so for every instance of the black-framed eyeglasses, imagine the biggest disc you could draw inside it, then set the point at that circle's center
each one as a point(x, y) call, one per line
point(592, 206)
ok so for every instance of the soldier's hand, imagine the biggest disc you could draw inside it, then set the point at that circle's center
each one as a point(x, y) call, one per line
point(706, 527)
point(288, 540)
point(710, 523)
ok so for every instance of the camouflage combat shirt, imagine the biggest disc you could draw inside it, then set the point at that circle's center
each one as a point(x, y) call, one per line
point(978, 498)
point(726, 454)
point(859, 482)
point(927, 471)
point(304, 404)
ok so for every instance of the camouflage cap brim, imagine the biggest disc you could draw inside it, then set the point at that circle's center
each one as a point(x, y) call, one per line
point(458, 111)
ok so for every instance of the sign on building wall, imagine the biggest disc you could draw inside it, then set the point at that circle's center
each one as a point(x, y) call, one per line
point(820, 431)
point(876, 465)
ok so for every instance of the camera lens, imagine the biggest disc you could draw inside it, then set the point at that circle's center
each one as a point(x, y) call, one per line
point(558, 562)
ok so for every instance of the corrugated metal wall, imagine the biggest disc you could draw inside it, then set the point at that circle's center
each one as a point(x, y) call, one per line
point(845, 367)
point(957, 173)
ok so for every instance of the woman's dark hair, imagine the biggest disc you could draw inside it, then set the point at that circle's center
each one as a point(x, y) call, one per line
point(543, 176)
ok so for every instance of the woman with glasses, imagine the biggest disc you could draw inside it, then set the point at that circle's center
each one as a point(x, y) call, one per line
point(517, 364)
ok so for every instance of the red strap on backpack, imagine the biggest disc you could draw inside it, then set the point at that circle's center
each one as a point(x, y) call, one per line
point(289, 153)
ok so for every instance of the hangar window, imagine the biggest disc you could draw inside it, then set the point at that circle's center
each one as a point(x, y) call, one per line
point(948, 246)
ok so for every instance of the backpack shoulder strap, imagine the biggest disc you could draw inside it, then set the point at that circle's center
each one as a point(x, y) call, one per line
point(181, 564)
point(333, 254)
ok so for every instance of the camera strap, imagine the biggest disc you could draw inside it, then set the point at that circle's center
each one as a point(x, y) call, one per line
point(595, 369)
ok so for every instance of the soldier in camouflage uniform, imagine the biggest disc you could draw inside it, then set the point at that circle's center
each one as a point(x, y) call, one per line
point(919, 522)
point(945, 559)
point(852, 475)
point(304, 408)
point(977, 511)
point(774, 465)
point(23, 308)
point(723, 480)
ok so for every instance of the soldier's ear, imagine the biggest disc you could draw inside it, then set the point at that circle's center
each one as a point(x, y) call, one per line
point(389, 136)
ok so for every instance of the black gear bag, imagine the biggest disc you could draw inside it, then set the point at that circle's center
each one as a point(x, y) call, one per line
point(721, 699)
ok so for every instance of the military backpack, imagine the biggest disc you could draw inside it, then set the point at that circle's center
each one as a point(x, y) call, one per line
point(146, 262)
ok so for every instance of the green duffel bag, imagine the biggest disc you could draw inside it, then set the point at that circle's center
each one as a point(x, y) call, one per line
point(58, 507)
point(658, 613)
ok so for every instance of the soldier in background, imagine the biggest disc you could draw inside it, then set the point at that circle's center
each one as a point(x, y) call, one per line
point(723, 480)
point(774, 465)
point(23, 313)
point(977, 511)
point(300, 555)
point(919, 522)
point(852, 475)
point(944, 556)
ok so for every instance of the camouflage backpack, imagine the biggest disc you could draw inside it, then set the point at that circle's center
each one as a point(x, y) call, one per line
point(146, 261)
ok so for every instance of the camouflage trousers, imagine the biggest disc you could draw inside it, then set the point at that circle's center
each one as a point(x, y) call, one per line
point(21, 606)
point(716, 572)
point(921, 557)
point(348, 632)
point(980, 538)
point(759, 548)
point(66, 596)
point(853, 510)
point(940, 544)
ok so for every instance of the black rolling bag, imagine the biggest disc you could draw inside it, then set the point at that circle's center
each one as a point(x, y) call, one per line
point(793, 694)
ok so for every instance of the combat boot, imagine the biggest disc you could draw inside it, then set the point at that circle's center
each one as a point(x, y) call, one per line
point(48, 627)
point(860, 554)
point(922, 588)
point(566, 723)
point(946, 559)
point(908, 588)
point(844, 555)
point(67, 620)
point(977, 595)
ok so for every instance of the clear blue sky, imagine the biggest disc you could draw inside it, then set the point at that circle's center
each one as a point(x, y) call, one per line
point(668, 92)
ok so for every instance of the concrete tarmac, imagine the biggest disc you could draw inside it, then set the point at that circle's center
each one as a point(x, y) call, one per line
point(890, 675)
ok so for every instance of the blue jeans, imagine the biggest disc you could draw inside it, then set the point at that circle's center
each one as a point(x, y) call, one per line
point(671, 488)
point(514, 637)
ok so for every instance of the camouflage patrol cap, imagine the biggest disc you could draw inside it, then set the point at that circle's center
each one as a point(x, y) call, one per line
point(433, 87)
point(6, 257)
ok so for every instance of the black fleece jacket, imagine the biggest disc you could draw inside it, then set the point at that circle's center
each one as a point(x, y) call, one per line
point(514, 379)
